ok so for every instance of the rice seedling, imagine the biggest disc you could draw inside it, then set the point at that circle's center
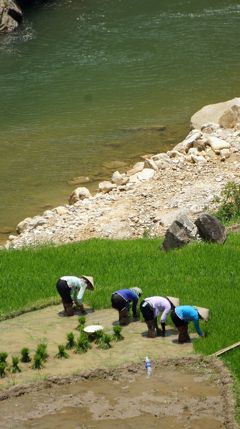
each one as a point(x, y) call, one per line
point(62, 354)
point(117, 336)
point(71, 343)
point(3, 367)
point(98, 336)
point(105, 342)
point(83, 343)
point(37, 361)
point(15, 365)
point(25, 357)
point(81, 323)
point(3, 357)
point(42, 351)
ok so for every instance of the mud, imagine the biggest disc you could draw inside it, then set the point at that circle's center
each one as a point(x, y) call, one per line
point(106, 388)
point(187, 393)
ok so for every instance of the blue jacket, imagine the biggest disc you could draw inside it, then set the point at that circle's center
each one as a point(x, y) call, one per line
point(189, 314)
point(129, 296)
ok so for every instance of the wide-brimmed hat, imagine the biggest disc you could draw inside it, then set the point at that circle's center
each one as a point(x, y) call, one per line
point(89, 280)
point(174, 301)
point(137, 290)
point(203, 312)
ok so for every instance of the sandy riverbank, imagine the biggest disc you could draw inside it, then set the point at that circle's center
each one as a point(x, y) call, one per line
point(147, 198)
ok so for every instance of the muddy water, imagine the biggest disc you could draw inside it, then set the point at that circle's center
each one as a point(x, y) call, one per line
point(186, 396)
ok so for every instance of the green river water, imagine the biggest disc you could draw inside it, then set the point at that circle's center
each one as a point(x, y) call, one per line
point(82, 81)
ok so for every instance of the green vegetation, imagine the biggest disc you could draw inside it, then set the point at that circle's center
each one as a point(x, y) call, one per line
point(81, 323)
point(117, 336)
point(37, 361)
point(15, 365)
point(83, 343)
point(199, 274)
point(25, 355)
point(71, 343)
point(229, 210)
point(42, 351)
point(104, 342)
point(3, 364)
point(62, 354)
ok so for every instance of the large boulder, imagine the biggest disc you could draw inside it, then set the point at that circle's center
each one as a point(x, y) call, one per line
point(226, 114)
point(10, 16)
point(210, 229)
point(182, 231)
point(79, 194)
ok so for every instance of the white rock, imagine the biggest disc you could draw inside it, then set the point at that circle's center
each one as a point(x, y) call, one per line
point(23, 225)
point(79, 194)
point(199, 159)
point(146, 174)
point(119, 179)
point(139, 166)
point(106, 186)
point(152, 164)
point(225, 153)
point(61, 210)
point(217, 144)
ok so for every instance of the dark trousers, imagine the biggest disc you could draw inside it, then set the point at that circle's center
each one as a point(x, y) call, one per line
point(182, 327)
point(147, 311)
point(118, 302)
point(64, 291)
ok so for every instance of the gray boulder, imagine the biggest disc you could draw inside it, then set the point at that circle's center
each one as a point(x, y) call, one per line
point(10, 16)
point(182, 231)
point(210, 229)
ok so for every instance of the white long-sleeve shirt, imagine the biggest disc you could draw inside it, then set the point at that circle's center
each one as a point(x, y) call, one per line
point(78, 286)
point(159, 305)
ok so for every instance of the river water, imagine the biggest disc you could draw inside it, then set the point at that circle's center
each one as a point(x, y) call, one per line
point(82, 81)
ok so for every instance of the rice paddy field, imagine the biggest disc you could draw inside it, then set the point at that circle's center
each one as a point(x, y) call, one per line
point(200, 274)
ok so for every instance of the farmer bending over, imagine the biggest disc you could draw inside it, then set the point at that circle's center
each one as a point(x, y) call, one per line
point(151, 308)
point(72, 289)
point(184, 314)
point(121, 300)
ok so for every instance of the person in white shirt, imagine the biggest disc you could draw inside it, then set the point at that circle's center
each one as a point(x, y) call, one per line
point(151, 308)
point(72, 289)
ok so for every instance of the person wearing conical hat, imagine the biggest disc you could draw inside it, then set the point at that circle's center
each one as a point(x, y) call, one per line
point(182, 315)
point(72, 290)
point(151, 307)
point(121, 301)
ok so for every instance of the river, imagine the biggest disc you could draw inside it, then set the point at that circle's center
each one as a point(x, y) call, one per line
point(83, 82)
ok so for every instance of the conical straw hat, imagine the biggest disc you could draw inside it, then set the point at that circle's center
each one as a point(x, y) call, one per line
point(90, 280)
point(204, 313)
point(173, 300)
point(137, 290)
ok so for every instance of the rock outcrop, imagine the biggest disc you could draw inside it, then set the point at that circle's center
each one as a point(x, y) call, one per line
point(10, 16)
point(146, 199)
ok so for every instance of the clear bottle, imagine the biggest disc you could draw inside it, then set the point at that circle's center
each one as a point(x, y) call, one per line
point(148, 366)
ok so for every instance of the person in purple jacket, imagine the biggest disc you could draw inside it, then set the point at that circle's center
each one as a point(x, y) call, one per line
point(182, 315)
point(121, 300)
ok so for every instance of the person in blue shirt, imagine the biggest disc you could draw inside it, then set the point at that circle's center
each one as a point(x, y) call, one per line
point(121, 300)
point(182, 315)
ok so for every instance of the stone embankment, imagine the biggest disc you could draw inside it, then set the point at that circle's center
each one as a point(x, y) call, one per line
point(146, 199)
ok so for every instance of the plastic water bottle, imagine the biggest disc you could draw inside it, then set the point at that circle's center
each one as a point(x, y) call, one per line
point(148, 366)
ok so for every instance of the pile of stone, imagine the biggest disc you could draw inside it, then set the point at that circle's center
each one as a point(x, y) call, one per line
point(10, 16)
point(145, 200)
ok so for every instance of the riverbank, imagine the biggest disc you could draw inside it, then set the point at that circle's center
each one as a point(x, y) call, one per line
point(146, 199)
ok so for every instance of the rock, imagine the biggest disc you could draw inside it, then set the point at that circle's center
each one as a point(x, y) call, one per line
point(231, 117)
point(60, 210)
point(10, 16)
point(217, 144)
point(225, 153)
point(216, 114)
point(146, 174)
point(139, 166)
point(199, 159)
point(210, 229)
point(152, 164)
point(78, 180)
point(23, 225)
point(187, 143)
point(79, 194)
point(119, 179)
point(106, 186)
point(182, 231)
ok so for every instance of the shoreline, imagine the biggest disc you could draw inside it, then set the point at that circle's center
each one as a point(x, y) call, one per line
point(145, 200)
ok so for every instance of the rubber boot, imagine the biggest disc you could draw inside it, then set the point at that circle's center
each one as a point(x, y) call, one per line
point(68, 308)
point(151, 329)
point(183, 336)
point(123, 317)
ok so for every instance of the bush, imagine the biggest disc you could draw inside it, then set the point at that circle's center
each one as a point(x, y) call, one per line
point(229, 200)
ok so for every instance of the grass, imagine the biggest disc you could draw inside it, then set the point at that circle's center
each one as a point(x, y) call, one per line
point(200, 274)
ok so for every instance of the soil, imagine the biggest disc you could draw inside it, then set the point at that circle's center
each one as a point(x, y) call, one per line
point(106, 388)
